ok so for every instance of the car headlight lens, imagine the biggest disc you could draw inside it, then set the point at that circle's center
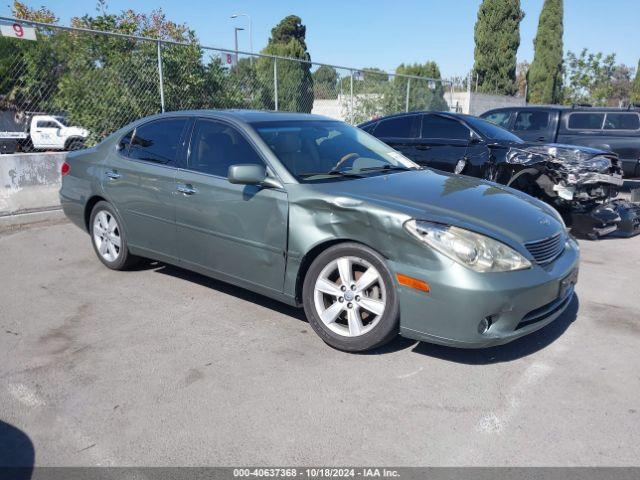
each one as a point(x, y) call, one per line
point(475, 251)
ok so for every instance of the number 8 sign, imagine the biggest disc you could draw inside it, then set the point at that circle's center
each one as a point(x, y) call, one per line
point(17, 30)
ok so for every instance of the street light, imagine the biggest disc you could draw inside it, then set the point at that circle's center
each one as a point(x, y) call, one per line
point(235, 32)
point(236, 15)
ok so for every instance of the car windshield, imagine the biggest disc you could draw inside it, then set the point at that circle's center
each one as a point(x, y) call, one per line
point(322, 150)
point(492, 131)
point(62, 120)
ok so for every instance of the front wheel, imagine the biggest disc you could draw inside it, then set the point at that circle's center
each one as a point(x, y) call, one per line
point(350, 298)
point(108, 238)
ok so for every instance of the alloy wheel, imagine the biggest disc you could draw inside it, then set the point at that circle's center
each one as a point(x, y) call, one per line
point(106, 235)
point(349, 296)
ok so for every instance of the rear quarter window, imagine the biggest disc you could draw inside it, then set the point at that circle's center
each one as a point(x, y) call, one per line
point(622, 121)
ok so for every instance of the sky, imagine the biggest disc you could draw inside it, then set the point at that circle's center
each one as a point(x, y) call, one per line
point(384, 33)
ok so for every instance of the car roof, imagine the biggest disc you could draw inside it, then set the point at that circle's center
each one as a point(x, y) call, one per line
point(248, 116)
point(461, 116)
point(564, 108)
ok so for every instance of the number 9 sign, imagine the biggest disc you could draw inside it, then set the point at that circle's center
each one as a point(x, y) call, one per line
point(17, 30)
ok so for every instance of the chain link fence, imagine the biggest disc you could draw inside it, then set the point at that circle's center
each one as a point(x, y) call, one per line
point(101, 81)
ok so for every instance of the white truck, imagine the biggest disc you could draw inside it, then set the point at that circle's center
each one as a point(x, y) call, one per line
point(43, 132)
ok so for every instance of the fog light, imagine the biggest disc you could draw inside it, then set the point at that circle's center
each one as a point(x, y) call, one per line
point(484, 325)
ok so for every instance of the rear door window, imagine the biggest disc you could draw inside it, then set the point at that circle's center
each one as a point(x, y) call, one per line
point(499, 118)
point(586, 121)
point(435, 126)
point(406, 126)
point(531, 121)
point(158, 141)
point(622, 121)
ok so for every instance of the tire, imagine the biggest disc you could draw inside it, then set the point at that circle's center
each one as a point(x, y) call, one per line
point(75, 145)
point(105, 228)
point(351, 317)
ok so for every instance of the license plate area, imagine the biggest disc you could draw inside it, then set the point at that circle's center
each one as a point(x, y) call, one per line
point(567, 283)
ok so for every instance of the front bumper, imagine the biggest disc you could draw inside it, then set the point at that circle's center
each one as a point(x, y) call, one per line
point(518, 303)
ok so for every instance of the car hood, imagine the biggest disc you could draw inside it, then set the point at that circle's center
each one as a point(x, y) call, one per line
point(467, 202)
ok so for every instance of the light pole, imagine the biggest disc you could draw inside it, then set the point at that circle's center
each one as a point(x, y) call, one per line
point(236, 15)
point(235, 33)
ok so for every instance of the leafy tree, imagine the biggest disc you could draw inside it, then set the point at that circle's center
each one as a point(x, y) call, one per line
point(295, 83)
point(423, 94)
point(29, 71)
point(497, 37)
point(545, 74)
point(325, 82)
point(635, 89)
point(596, 79)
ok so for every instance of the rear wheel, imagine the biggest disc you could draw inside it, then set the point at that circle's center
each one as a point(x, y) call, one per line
point(108, 238)
point(350, 298)
point(75, 145)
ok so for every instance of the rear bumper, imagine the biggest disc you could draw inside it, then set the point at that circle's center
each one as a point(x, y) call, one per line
point(517, 303)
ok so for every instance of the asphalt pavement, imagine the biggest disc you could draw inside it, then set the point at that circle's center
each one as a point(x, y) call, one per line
point(159, 366)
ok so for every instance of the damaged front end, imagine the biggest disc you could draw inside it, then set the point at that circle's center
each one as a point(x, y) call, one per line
point(579, 182)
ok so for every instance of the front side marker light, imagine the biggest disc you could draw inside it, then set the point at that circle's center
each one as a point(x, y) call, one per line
point(411, 282)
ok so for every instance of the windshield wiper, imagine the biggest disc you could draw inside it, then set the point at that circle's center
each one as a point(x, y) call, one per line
point(331, 173)
point(386, 168)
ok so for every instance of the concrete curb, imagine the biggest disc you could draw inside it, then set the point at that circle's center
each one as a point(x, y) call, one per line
point(22, 220)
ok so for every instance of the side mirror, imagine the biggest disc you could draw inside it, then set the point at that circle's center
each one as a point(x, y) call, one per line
point(474, 139)
point(251, 174)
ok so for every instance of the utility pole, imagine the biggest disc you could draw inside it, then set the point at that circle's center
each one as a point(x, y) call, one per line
point(235, 32)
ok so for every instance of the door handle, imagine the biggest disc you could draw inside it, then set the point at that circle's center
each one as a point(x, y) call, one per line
point(112, 175)
point(423, 147)
point(187, 189)
point(540, 139)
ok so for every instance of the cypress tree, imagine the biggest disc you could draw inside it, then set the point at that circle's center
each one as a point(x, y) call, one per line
point(544, 79)
point(497, 37)
point(635, 88)
point(295, 83)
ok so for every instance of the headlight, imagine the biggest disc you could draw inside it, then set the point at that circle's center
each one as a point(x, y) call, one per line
point(475, 251)
point(597, 164)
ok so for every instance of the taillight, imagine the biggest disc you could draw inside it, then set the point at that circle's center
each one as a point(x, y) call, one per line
point(64, 169)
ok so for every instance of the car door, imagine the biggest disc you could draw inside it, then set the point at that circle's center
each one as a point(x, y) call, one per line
point(447, 139)
point(533, 126)
point(238, 232)
point(139, 179)
point(45, 134)
point(402, 133)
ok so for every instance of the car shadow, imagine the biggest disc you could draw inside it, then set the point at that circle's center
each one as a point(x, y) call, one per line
point(17, 455)
point(504, 353)
point(223, 287)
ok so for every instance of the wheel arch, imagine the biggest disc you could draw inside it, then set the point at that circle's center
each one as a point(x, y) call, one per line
point(88, 208)
point(69, 140)
point(313, 253)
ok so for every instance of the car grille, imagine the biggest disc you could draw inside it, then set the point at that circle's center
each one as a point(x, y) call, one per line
point(546, 250)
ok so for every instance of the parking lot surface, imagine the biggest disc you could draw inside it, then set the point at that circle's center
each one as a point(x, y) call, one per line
point(159, 366)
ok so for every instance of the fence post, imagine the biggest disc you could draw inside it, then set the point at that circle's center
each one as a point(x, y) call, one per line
point(451, 98)
point(275, 82)
point(406, 103)
point(351, 114)
point(160, 76)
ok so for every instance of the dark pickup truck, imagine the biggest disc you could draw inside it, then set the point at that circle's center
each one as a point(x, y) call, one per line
point(613, 129)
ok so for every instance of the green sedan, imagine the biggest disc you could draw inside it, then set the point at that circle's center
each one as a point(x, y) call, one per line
point(316, 213)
